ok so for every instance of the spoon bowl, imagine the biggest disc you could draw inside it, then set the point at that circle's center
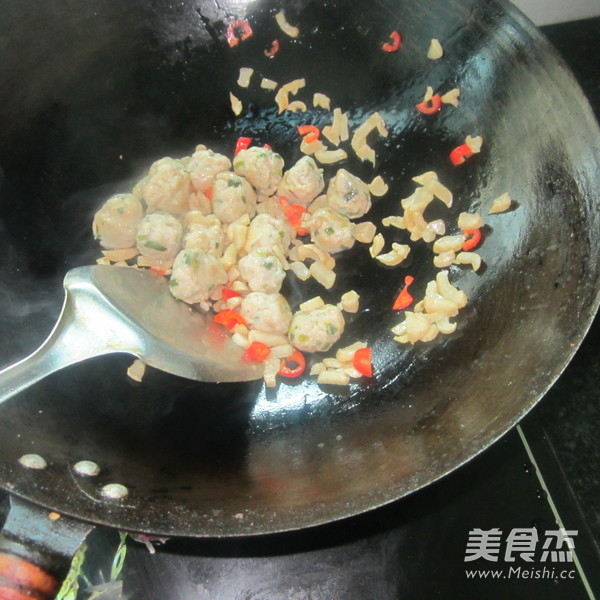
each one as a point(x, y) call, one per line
point(110, 309)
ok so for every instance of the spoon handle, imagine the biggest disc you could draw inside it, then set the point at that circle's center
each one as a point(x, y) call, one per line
point(78, 334)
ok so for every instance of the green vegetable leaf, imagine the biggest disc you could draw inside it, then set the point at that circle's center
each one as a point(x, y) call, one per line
point(155, 246)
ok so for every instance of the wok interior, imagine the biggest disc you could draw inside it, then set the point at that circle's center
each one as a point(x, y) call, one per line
point(92, 95)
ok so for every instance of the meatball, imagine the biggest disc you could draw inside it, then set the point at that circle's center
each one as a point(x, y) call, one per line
point(168, 187)
point(195, 276)
point(331, 231)
point(317, 330)
point(204, 165)
point(232, 196)
point(302, 183)
point(267, 231)
point(262, 271)
point(116, 223)
point(159, 237)
point(261, 167)
point(348, 195)
point(267, 312)
point(204, 233)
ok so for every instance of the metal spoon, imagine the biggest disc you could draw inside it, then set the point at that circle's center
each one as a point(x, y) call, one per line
point(118, 309)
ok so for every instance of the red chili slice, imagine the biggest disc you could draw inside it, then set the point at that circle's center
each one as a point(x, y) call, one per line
point(294, 213)
point(241, 144)
point(473, 239)
point(297, 359)
point(362, 362)
point(395, 42)
point(404, 299)
point(273, 50)
point(158, 271)
point(431, 106)
point(310, 133)
point(460, 154)
point(256, 352)
point(237, 32)
point(228, 293)
point(229, 318)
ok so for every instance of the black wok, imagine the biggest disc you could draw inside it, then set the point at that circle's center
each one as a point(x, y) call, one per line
point(92, 93)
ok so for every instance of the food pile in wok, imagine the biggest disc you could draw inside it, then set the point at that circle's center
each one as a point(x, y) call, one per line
point(227, 231)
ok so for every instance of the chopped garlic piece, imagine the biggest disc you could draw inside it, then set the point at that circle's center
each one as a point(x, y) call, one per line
point(444, 259)
point(312, 147)
point(377, 245)
point(469, 258)
point(136, 370)
point(327, 157)
point(365, 232)
point(435, 49)
point(338, 130)
point(312, 304)
point(317, 368)
point(359, 139)
point(296, 105)
point(332, 363)
point(378, 187)
point(448, 243)
point(350, 302)
point(440, 191)
point(321, 101)
point(236, 105)
point(469, 221)
point(300, 270)
point(229, 257)
point(288, 29)
point(346, 354)
point(474, 143)
point(324, 275)
point(283, 351)
point(446, 289)
point(272, 366)
point(398, 253)
point(245, 76)
point(425, 178)
point(501, 204)
point(393, 221)
point(451, 97)
point(282, 97)
point(333, 378)
point(268, 84)
point(268, 339)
